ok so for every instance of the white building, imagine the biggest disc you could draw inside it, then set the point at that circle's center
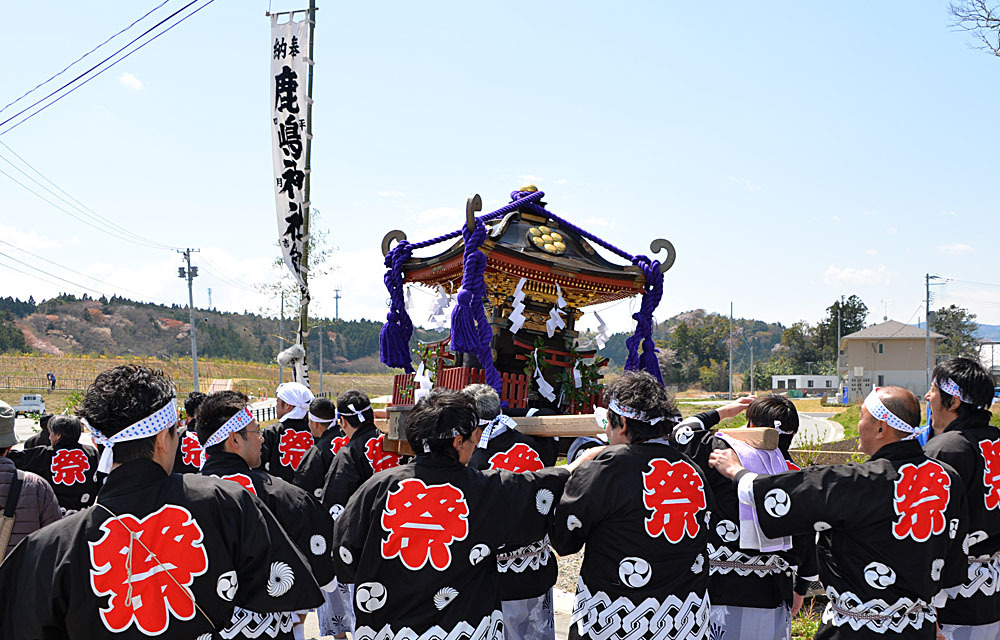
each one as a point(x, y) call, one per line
point(806, 384)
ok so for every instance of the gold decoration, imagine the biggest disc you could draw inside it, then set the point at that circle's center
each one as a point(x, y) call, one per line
point(547, 240)
point(530, 188)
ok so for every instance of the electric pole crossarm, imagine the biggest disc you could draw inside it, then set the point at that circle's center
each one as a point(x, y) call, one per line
point(190, 274)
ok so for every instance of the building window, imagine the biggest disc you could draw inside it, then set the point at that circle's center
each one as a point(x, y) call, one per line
point(881, 347)
point(781, 384)
point(881, 379)
point(791, 383)
point(811, 383)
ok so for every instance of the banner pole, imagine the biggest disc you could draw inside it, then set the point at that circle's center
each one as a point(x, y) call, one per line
point(303, 332)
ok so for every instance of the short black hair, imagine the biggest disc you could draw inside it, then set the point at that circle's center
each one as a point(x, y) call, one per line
point(972, 378)
point(43, 421)
point(903, 403)
point(192, 402)
point(66, 427)
point(640, 391)
point(768, 410)
point(214, 412)
point(323, 408)
point(359, 399)
point(434, 422)
point(122, 396)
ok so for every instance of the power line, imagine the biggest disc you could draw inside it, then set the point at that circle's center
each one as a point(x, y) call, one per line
point(51, 275)
point(224, 275)
point(72, 215)
point(79, 206)
point(79, 273)
point(30, 275)
point(46, 106)
point(50, 79)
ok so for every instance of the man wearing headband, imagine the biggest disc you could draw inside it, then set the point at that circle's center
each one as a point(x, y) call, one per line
point(528, 573)
point(750, 580)
point(159, 555)
point(190, 455)
point(233, 441)
point(361, 457)
point(336, 615)
point(642, 509)
point(69, 466)
point(890, 529)
point(286, 443)
point(963, 438)
point(328, 438)
point(419, 541)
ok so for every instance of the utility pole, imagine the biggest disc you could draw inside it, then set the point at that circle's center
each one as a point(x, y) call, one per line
point(210, 297)
point(336, 303)
point(751, 367)
point(927, 325)
point(190, 274)
point(322, 330)
point(281, 338)
point(730, 351)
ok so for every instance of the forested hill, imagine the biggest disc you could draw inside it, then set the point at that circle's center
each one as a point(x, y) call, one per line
point(119, 326)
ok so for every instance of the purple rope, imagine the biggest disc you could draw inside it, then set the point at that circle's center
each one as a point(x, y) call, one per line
point(470, 331)
point(394, 339)
point(651, 295)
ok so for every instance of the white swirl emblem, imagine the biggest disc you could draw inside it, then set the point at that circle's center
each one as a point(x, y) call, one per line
point(281, 580)
point(879, 576)
point(634, 572)
point(370, 596)
point(777, 503)
point(227, 585)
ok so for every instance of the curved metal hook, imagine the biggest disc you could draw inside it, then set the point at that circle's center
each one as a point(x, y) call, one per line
point(396, 235)
point(659, 245)
point(473, 204)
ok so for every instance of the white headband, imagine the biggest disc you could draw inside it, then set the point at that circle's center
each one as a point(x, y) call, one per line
point(238, 422)
point(879, 412)
point(360, 413)
point(629, 412)
point(495, 427)
point(163, 418)
point(323, 420)
point(777, 425)
point(950, 387)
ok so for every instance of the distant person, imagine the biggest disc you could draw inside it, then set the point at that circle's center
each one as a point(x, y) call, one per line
point(69, 466)
point(36, 504)
point(190, 455)
point(51, 377)
point(961, 390)
point(286, 443)
point(41, 438)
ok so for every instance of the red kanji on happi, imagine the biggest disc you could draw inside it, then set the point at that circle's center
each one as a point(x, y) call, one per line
point(519, 458)
point(921, 498)
point(69, 466)
point(159, 580)
point(293, 447)
point(242, 480)
point(422, 521)
point(991, 472)
point(338, 443)
point(675, 493)
point(192, 453)
point(379, 459)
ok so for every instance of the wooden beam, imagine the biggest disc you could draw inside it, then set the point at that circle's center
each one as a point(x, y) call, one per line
point(559, 426)
point(764, 438)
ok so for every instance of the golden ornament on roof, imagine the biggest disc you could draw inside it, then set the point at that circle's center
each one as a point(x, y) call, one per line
point(547, 240)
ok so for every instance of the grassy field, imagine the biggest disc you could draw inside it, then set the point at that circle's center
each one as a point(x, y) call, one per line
point(26, 374)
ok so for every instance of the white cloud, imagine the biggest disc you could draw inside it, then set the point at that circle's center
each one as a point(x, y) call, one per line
point(891, 231)
point(562, 181)
point(956, 249)
point(29, 240)
point(951, 214)
point(872, 252)
point(391, 194)
point(836, 218)
point(743, 182)
point(129, 81)
point(598, 221)
point(837, 276)
point(532, 179)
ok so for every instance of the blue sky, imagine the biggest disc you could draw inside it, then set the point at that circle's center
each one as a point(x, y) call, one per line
point(792, 152)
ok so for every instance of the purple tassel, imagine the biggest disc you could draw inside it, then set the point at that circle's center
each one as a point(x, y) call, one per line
point(644, 321)
point(394, 339)
point(470, 331)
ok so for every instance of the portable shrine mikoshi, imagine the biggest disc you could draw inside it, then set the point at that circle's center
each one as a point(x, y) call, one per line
point(521, 277)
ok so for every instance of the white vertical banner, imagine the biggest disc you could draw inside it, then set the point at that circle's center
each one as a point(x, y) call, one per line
point(289, 79)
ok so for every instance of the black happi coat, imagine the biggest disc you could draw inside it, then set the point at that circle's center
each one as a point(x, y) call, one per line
point(643, 512)
point(737, 576)
point(285, 445)
point(302, 517)
point(356, 461)
point(216, 540)
point(190, 455)
point(529, 571)
point(69, 468)
point(972, 448)
point(311, 474)
point(890, 534)
point(419, 543)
